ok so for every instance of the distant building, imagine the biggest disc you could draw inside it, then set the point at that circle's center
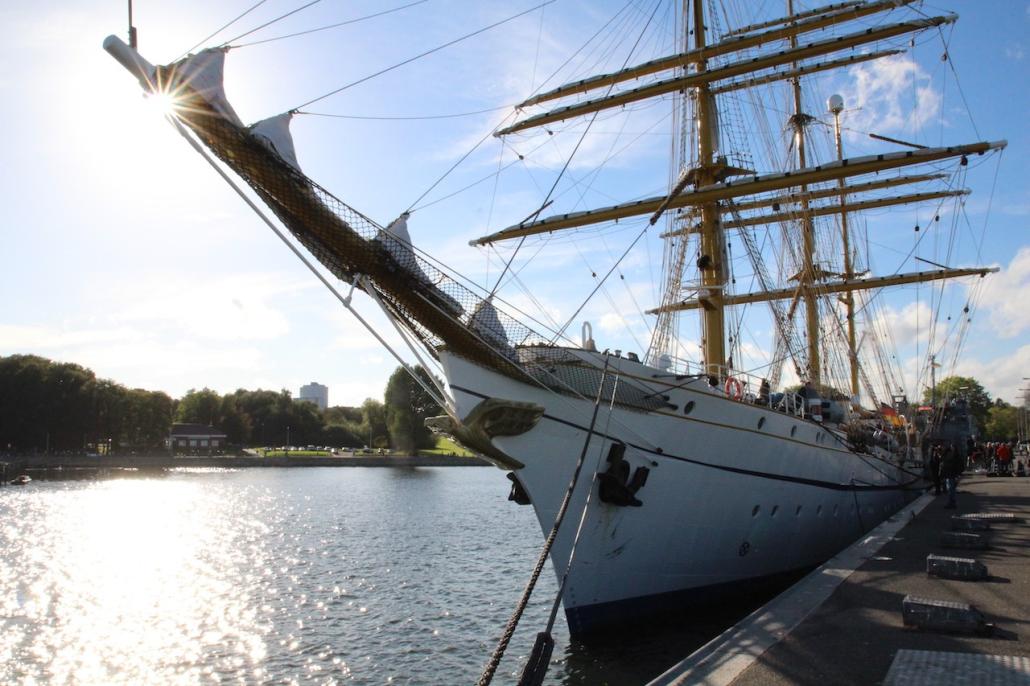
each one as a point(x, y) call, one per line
point(196, 439)
point(315, 393)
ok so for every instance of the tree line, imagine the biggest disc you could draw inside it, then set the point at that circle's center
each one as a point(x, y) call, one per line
point(996, 420)
point(58, 406)
point(63, 407)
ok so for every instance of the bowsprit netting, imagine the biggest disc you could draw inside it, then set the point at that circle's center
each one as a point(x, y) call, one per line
point(442, 313)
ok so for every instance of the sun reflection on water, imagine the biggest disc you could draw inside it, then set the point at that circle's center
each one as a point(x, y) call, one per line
point(275, 576)
point(132, 581)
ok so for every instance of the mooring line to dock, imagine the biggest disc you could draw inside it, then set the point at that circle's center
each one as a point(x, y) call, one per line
point(540, 657)
point(509, 630)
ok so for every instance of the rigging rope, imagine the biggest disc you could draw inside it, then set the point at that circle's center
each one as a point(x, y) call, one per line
point(572, 155)
point(421, 55)
point(402, 118)
point(520, 607)
point(345, 301)
point(205, 40)
point(269, 23)
point(454, 166)
point(615, 266)
point(329, 26)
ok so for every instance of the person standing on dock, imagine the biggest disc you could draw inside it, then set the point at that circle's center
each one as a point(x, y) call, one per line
point(1004, 458)
point(951, 468)
point(934, 469)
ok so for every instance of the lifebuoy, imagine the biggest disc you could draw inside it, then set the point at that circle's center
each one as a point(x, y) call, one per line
point(734, 389)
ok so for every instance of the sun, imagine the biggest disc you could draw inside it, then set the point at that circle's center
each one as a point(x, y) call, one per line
point(163, 103)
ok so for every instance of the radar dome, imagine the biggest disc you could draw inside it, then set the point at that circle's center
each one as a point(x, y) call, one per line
point(835, 104)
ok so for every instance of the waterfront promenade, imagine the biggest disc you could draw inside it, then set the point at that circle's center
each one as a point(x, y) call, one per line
point(825, 630)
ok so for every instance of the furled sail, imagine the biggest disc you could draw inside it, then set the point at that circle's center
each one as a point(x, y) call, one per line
point(349, 244)
point(747, 185)
point(806, 51)
point(274, 132)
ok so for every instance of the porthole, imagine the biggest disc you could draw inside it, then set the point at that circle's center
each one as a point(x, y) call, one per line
point(755, 509)
point(818, 510)
point(793, 430)
point(776, 508)
point(818, 436)
point(761, 422)
point(797, 512)
point(834, 510)
point(689, 407)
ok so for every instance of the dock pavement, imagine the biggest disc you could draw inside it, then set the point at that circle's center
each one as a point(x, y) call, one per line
point(842, 624)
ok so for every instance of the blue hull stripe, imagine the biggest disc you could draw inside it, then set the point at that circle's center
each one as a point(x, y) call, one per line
point(915, 483)
point(606, 617)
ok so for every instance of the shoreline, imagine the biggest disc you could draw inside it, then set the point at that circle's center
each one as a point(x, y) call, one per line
point(14, 465)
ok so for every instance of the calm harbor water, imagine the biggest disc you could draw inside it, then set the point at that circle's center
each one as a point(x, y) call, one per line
point(303, 575)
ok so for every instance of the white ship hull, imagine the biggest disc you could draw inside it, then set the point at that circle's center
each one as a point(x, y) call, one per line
point(725, 502)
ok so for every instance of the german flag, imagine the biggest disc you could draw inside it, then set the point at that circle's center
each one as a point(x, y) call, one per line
point(891, 415)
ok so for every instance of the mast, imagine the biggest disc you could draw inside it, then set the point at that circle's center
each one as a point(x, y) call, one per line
point(707, 192)
point(745, 186)
point(828, 288)
point(712, 253)
point(807, 275)
point(836, 106)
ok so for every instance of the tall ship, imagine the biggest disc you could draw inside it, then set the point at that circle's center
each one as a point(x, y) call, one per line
point(678, 474)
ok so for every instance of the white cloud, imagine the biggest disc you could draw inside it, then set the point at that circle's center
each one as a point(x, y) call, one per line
point(135, 357)
point(1006, 294)
point(1000, 376)
point(18, 337)
point(234, 307)
point(908, 326)
point(892, 94)
point(612, 322)
point(1014, 51)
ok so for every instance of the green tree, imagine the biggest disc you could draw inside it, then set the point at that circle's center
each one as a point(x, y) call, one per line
point(342, 427)
point(373, 424)
point(305, 421)
point(1002, 421)
point(61, 406)
point(234, 421)
point(340, 435)
point(200, 407)
point(966, 387)
point(146, 417)
point(407, 407)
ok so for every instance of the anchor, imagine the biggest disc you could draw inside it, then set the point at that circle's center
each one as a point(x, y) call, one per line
point(617, 487)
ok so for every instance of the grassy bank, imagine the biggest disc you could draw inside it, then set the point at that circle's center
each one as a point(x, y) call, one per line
point(445, 446)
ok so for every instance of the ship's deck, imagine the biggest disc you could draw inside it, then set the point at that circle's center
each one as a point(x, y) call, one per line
point(852, 634)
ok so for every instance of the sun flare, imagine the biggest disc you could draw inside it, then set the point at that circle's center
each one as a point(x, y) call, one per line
point(162, 103)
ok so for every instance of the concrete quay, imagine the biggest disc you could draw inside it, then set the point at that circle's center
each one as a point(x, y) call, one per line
point(842, 624)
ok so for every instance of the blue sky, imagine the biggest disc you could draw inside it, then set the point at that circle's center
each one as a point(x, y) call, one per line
point(125, 253)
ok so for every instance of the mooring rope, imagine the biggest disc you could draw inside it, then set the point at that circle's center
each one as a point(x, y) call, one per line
point(540, 657)
point(509, 630)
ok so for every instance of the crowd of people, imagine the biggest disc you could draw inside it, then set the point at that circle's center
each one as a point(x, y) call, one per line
point(946, 463)
point(996, 457)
